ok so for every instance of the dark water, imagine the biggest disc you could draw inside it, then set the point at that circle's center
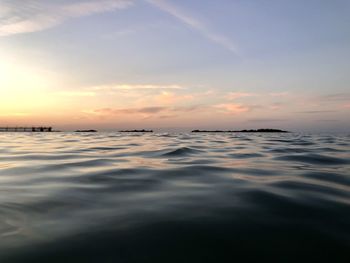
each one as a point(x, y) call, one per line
point(110, 197)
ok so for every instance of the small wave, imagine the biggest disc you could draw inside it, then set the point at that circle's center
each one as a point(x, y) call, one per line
point(314, 159)
point(329, 177)
point(245, 155)
point(289, 150)
point(98, 198)
point(105, 148)
point(183, 151)
point(311, 187)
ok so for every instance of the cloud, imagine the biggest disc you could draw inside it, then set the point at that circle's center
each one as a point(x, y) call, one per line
point(232, 108)
point(279, 94)
point(195, 24)
point(144, 112)
point(237, 95)
point(76, 93)
point(116, 87)
point(36, 15)
point(188, 108)
point(275, 106)
point(316, 111)
point(166, 97)
point(14, 114)
point(335, 97)
point(328, 120)
point(266, 120)
point(111, 111)
point(151, 109)
point(168, 116)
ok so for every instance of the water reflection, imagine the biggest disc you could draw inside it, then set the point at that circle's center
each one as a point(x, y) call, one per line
point(110, 197)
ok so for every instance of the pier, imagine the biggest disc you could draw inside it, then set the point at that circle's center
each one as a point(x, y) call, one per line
point(26, 129)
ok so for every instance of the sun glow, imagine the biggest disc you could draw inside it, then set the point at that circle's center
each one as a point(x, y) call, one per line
point(23, 87)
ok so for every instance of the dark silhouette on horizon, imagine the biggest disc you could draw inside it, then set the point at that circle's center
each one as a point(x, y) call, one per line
point(258, 130)
point(86, 131)
point(26, 129)
point(49, 129)
point(143, 130)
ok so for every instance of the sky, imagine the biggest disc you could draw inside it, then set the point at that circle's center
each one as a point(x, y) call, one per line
point(175, 64)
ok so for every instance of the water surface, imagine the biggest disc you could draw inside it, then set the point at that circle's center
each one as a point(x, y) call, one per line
point(116, 197)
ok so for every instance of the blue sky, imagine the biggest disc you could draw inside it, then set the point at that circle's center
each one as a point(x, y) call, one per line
point(176, 64)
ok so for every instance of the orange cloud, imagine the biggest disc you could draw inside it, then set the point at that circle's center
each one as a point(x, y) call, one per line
point(117, 87)
point(76, 93)
point(144, 112)
point(231, 108)
point(236, 95)
point(14, 114)
point(169, 97)
point(110, 111)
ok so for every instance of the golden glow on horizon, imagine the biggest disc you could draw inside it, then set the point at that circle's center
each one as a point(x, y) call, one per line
point(31, 94)
point(22, 87)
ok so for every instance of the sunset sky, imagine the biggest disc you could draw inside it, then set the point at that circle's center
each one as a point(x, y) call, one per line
point(176, 64)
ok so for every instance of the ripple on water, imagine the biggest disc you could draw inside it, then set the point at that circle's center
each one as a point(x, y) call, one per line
point(183, 151)
point(314, 159)
point(245, 155)
point(112, 197)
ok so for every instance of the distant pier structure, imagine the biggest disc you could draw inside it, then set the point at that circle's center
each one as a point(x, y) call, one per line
point(26, 129)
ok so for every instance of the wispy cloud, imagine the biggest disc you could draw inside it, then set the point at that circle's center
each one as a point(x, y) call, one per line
point(279, 94)
point(275, 106)
point(111, 111)
point(317, 111)
point(107, 113)
point(117, 87)
point(36, 15)
point(328, 120)
point(266, 120)
point(237, 95)
point(14, 114)
point(166, 97)
point(193, 23)
point(75, 93)
point(335, 97)
point(232, 108)
point(144, 112)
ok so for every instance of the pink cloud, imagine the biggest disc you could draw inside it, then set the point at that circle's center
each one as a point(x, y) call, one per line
point(110, 111)
point(232, 108)
point(275, 106)
point(279, 94)
point(236, 95)
point(167, 97)
point(144, 112)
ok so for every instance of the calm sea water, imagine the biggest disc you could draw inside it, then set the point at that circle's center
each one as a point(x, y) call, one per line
point(112, 197)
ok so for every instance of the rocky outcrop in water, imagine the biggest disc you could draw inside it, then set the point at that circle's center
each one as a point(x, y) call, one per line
point(85, 131)
point(143, 130)
point(258, 130)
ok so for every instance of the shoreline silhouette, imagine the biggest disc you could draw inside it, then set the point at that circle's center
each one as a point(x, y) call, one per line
point(26, 129)
point(247, 131)
point(86, 131)
point(143, 130)
point(50, 129)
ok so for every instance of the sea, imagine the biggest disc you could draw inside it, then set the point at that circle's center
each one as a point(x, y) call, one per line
point(174, 197)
